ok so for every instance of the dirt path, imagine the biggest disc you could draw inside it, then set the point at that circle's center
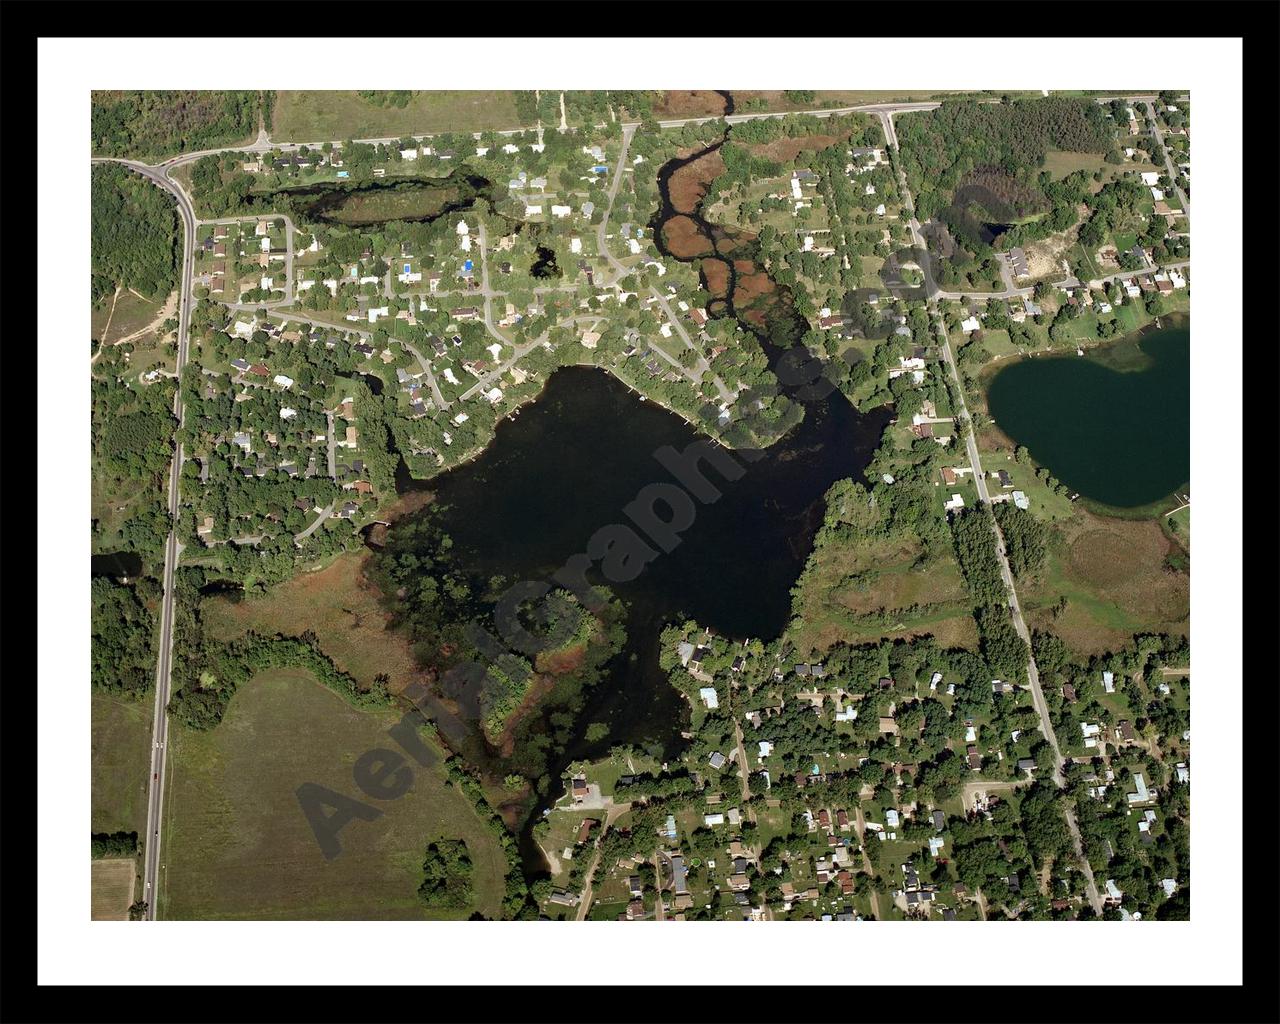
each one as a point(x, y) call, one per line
point(166, 311)
point(612, 813)
point(552, 859)
point(106, 331)
point(860, 823)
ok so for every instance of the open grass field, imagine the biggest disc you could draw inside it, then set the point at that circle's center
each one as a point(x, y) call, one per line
point(1060, 163)
point(120, 759)
point(842, 597)
point(237, 844)
point(111, 888)
point(128, 314)
point(1114, 575)
point(339, 605)
point(318, 116)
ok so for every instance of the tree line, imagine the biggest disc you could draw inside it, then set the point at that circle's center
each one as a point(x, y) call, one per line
point(133, 234)
point(1005, 651)
point(160, 122)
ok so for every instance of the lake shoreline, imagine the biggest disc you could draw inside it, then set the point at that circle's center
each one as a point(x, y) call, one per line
point(1113, 427)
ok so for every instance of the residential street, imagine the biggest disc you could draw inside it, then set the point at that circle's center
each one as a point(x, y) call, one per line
point(965, 426)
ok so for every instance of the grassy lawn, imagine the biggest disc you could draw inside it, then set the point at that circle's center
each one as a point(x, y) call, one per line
point(1059, 163)
point(238, 846)
point(848, 587)
point(316, 116)
point(111, 888)
point(131, 314)
point(120, 760)
point(1114, 576)
point(1178, 526)
point(339, 605)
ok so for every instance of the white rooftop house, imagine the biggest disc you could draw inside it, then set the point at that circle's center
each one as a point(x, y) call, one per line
point(709, 697)
point(846, 714)
point(286, 413)
point(1113, 891)
point(765, 748)
point(1169, 885)
point(282, 380)
point(463, 228)
point(970, 324)
point(1143, 794)
point(1150, 177)
point(1108, 682)
point(408, 154)
point(891, 817)
point(713, 819)
point(378, 311)
point(561, 211)
point(460, 419)
point(953, 503)
point(494, 395)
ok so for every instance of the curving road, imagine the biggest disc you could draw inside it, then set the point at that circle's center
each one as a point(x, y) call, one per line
point(164, 660)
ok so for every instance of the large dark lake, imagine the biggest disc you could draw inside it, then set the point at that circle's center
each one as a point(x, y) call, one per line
point(1114, 425)
point(568, 464)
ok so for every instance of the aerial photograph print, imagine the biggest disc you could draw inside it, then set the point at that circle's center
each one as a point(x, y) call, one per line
point(641, 505)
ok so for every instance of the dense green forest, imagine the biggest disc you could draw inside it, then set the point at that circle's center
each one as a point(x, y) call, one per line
point(446, 875)
point(153, 123)
point(976, 167)
point(1006, 653)
point(1026, 538)
point(134, 234)
point(939, 147)
point(132, 446)
point(113, 844)
point(123, 649)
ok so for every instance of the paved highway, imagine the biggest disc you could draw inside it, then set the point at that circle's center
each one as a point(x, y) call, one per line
point(160, 720)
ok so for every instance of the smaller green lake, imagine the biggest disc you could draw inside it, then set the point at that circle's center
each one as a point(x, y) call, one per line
point(1114, 425)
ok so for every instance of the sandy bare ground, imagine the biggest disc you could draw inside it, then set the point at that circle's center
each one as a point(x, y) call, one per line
point(1045, 256)
point(970, 789)
point(106, 331)
point(167, 310)
point(552, 860)
point(111, 888)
